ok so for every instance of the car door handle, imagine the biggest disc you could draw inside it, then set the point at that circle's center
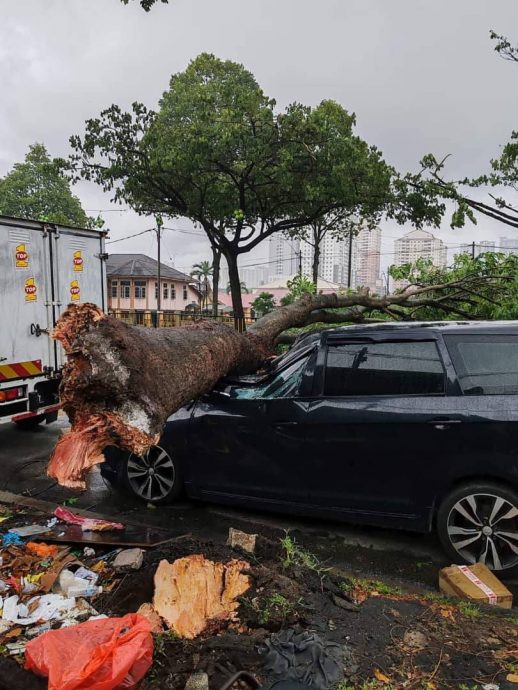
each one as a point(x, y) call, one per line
point(284, 425)
point(442, 423)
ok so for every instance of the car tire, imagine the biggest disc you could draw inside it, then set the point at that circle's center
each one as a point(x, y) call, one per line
point(30, 423)
point(478, 522)
point(155, 477)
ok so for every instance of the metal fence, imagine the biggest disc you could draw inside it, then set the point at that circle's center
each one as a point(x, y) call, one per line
point(169, 319)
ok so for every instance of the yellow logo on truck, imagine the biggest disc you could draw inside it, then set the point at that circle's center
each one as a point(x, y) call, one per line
point(31, 290)
point(78, 262)
point(75, 291)
point(21, 256)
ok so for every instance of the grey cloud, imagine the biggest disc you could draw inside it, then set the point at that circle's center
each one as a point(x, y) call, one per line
point(420, 75)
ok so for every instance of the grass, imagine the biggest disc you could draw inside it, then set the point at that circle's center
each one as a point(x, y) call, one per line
point(296, 555)
point(369, 586)
point(511, 667)
point(468, 609)
point(275, 606)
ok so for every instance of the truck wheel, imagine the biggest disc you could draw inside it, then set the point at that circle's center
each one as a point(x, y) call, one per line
point(30, 422)
point(478, 522)
point(154, 477)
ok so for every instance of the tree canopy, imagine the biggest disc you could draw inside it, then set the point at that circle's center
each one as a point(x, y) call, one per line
point(502, 175)
point(218, 152)
point(37, 189)
point(146, 4)
point(476, 299)
point(263, 303)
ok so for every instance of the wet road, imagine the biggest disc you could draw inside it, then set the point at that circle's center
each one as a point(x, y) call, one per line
point(408, 559)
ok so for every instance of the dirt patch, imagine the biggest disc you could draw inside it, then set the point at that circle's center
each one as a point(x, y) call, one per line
point(447, 645)
point(389, 639)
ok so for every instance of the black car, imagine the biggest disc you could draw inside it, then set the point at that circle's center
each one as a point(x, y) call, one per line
point(407, 425)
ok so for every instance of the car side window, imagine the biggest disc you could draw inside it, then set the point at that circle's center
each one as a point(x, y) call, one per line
point(283, 385)
point(485, 365)
point(389, 368)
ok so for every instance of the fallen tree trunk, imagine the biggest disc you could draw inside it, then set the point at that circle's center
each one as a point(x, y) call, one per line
point(121, 382)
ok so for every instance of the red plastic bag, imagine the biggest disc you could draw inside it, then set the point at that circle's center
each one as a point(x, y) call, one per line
point(101, 654)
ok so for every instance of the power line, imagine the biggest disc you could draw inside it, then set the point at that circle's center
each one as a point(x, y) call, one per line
point(129, 237)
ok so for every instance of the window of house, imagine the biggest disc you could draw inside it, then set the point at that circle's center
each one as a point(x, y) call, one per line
point(173, 291)
point(165, 291)
point(113, 288)
point(485, 365)
point(140, 289)
point(185, 292)
point(125, 289)
point(391, 368)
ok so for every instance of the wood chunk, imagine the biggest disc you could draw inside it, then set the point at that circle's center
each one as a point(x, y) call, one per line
point(193, 591)
point(148, 612)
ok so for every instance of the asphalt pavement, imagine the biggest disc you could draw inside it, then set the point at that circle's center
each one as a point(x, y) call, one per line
point(411, 560)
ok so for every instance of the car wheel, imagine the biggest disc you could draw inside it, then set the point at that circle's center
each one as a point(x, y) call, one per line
point(154, 477)
point(478, 522)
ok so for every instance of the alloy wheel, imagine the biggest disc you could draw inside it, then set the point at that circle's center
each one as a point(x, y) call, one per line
point(483, 527)
point(152, 475)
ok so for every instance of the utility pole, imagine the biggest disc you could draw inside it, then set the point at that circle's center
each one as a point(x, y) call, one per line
point(350, 262)
point(300, 261)
point(159, 223)
point(472, 250)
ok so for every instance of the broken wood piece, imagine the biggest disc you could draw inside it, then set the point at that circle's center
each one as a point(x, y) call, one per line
point(152, 617)
point(193, 591)
point(132, 536)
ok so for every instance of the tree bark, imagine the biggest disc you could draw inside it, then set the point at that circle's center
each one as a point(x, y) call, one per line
point(316, 262)
point(216, 261)
point(121, 382)
point(235, 291)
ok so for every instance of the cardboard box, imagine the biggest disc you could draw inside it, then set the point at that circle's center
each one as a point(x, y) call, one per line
point(476, 583)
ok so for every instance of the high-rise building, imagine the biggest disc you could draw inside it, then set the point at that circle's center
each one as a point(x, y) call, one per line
point(477, 248)
point(508, 245)
point(254, 277)
point(368, 248)
point(283, 256)
point(333, 266)
point(419, 244)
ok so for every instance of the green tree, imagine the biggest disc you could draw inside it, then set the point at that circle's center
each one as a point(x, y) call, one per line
point(37, 189)
point(475, 300)
point(298, 287)
point(202, 272)
point(218, 153)
point(263, 303)
point(146, 4)
point(431, 180)
point(339, 225)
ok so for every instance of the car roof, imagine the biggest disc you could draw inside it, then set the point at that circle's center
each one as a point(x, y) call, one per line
point(423, 328)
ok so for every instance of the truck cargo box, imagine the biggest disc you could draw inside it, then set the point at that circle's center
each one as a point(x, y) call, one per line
point(43, 268)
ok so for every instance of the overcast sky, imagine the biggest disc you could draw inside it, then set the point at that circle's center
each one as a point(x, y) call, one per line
point(421, 76)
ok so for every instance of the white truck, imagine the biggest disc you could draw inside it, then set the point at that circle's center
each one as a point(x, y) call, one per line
point(43, 268)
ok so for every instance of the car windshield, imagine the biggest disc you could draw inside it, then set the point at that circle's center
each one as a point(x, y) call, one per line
point(284, 384)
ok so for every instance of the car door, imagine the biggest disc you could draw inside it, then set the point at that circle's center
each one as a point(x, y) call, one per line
point(247, 441)
point(487, 371)
point(377, 427)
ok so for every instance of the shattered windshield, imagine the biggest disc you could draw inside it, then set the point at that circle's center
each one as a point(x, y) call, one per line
point(284, 384)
